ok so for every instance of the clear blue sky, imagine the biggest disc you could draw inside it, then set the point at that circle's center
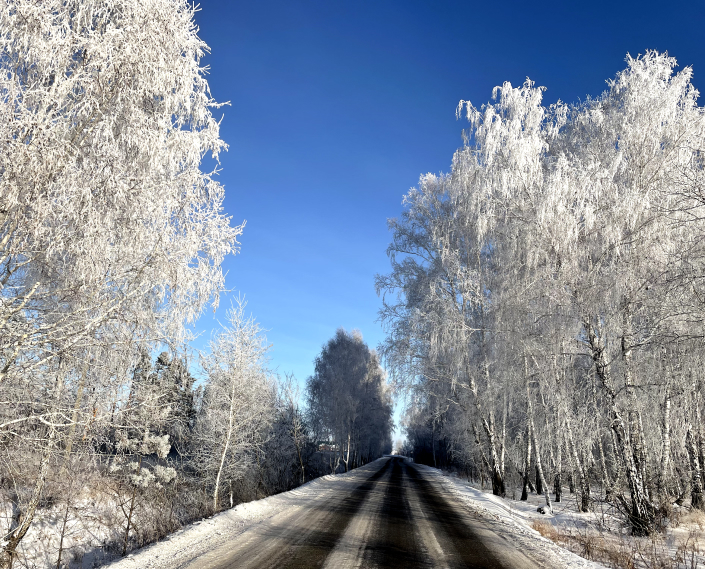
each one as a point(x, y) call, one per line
point(337, 107)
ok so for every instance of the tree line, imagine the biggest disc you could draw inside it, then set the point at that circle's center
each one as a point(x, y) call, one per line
point(545, 304)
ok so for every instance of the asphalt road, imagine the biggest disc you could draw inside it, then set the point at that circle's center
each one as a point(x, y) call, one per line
point(396, 518)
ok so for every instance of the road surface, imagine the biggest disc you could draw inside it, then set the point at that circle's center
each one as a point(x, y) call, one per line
point(396, 518)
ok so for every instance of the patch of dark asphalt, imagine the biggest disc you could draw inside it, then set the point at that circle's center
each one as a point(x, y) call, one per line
point(306, 540)
point(396, 547)
point(318, 529)
point(318, 546)
point(453, 525)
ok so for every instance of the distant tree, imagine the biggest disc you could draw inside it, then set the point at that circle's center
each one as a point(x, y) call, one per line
point(297, 428)
point(347, 400)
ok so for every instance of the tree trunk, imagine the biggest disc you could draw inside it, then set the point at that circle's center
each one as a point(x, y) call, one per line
point(544, 404)
point(530, 412)
point(433, 442)
point(617, 457)
point(63, 533)
point(504, 435)
point(641, 512)
point(297, 442)
point(540, 479)
point(131, 510)
point(557, 482)
point(14, 537)
point(498, 488)
point(665, 446)
point(498, 485)
point(606, 482)
point(578, 467)
point(225, 450)
point(346, 460)
point(74, 420)
point(557, 478)
point(527, 466)
point(634, 419)
point(696, 491)
point(698, 441)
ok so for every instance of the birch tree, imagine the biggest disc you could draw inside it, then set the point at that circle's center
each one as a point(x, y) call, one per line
point(238, 402)
point(110, 232)
point(571, 234)
point(105, 213)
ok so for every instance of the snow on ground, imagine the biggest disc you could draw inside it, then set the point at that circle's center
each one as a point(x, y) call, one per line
point(601, 532)
point(85, 534)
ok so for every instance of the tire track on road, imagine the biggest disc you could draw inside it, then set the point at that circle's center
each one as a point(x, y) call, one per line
point(298, 540)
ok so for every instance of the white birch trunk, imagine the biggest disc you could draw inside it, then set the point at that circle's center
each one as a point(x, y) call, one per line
point(224, 454)
point(537, 455)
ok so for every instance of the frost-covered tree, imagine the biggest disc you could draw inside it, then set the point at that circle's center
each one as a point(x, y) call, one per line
point(110, 232)
point(542, 294)
point(348, 403)
point(134, 474)
point(283, 459)
point(106, 215)
point(238, 402)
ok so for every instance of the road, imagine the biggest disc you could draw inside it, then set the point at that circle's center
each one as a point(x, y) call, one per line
point(396, 518)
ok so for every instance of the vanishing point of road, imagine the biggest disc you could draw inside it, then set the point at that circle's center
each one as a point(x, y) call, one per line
point(396, 518)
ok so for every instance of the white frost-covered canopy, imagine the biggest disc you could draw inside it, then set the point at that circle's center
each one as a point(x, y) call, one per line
point(105, 214)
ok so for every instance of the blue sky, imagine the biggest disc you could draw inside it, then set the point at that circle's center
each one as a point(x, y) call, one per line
point(338, 107)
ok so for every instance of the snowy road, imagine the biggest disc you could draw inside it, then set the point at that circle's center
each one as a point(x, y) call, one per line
point(396, 517)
